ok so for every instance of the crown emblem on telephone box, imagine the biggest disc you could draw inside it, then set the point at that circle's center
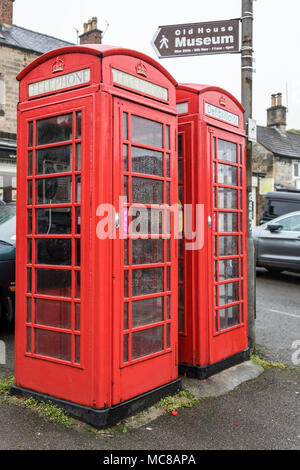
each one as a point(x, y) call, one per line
point(58, 65)
point(141, 69)
point(222, 101)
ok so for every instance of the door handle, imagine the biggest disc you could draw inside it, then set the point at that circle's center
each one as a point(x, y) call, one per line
point(117, 220)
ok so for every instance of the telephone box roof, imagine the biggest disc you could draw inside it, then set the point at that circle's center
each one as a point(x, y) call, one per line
point(100, 50)
point(197, 88)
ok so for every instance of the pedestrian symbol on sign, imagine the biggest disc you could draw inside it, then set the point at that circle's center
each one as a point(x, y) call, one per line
point(164, 42)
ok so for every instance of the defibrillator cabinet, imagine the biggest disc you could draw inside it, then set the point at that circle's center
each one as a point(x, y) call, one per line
point(212, 277)
point(96, 293)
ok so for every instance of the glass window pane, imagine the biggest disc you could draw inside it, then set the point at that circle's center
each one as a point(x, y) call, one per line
point(146, 161)
point(229, 293)
point(228, 222)
point(227, 151)
point(227, 175)
point(126, 245)
point(168, 313)
point(77, 284)
point(77, 252)
point(30, 163)
point(147, 311)
point(55, 129)
point(147, 251)
point(147, 342)
point(181, 320)
point(54, 160)
point(125, 157)
point(180, 296)
point(125, 283)
point(228, 269)
point(168, 336)
point(77, 349)
point(228, 245)
point(77, 220)
point(29, 251)
point(30, 134)
point(78, 125)
point(54, 190)
point(125, 319)
point(125, 191)
point(147, 191)
point(229, 317)
point(180, 171)
point(28, 318)
point(29, 280)
point(168, 165)
point(29, 193)
point(125, 348)
point(168, 137)
point(53, 313)
point(28, 337)
point(78, 157)
point(54, 251)
point(54, 221)
point(53, 344)
point(290, 224)
point(168, 250)
point(29, 221)
point(77, 317)
point(125, 126)
point(180, 146)
point(147, 281)
point(56, 282)
point(78, 189)
point(180, 270)
point(146, 132)
point(227, 198)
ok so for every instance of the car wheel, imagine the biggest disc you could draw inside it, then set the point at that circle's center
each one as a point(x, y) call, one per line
point(275, 270)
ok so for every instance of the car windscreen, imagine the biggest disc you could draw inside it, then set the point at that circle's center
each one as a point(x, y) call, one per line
point(277, 208)
point(8, 224)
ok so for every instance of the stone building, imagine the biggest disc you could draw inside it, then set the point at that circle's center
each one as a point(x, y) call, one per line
point(19, 47)
point(276, 156)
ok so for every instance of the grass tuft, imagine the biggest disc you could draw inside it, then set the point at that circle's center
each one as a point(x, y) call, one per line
point(183, 399)
point(264, 363)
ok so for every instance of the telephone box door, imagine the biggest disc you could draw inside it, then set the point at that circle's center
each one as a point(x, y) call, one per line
point(145, 300)
point(228, 244)
point(53, 233)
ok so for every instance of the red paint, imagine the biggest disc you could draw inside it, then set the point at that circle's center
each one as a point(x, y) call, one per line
point(206, 334)
point(83, 358)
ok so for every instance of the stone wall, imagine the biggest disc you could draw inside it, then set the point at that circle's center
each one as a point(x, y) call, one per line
point(281, 169)
point(12, 61)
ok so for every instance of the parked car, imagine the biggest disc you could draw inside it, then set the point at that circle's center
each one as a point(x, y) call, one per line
point(277, 243)
point(279, 203)
point(7, 261)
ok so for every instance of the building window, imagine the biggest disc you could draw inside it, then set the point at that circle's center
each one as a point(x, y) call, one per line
point(296, 170)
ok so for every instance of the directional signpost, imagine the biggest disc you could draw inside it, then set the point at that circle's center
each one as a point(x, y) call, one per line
point(216, 37)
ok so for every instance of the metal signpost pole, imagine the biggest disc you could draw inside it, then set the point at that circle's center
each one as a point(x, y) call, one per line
point(247, 74)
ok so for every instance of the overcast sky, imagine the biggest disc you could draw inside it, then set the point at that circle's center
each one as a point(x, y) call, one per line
point(132, 24)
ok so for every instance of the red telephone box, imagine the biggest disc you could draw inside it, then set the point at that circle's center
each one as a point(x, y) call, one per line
point(212, 289)
point(96, 302)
